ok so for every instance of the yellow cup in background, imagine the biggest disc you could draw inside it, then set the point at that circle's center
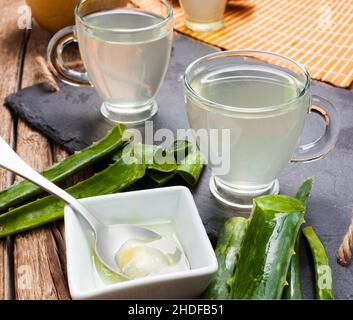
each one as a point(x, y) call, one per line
point(53, 15)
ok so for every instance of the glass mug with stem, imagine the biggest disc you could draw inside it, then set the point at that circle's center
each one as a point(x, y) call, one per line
point(125, 52)
point(204, 15)
point(257, 102)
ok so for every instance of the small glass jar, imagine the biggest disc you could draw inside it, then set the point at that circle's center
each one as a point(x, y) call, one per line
point(204, 15)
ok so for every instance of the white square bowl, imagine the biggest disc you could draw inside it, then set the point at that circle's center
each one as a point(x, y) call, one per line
point(172, 203)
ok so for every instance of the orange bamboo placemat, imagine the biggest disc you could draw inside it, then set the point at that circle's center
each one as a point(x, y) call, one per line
point(316, 33)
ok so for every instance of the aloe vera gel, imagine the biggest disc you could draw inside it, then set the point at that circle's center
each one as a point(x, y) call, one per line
point(138, 258)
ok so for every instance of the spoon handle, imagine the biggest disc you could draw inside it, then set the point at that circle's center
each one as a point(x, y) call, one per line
point(12, 162)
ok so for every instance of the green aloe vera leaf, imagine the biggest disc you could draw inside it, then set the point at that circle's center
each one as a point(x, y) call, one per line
point(154, 157)
point(323, 274)
point(163, 161)
point(24, 190)
point(190, 167)
point(116, 177)
point(160, 178)
point(305, 190)
point(294, 291)
point(176, 148)
point(126, 170)
point(180, 148)
point(228, 245)
point(161, 174)
point(267, 248)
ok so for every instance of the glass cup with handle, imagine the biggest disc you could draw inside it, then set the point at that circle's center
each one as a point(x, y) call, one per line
point(125, 52)
point(257, 102)
point(204, 15)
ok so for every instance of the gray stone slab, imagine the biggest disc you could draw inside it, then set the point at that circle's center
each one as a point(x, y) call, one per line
point(71, 118)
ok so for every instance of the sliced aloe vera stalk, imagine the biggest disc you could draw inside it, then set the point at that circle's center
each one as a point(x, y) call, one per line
point(160, 178)
point(180, 148)
point(116, 177)
point(228, 245)
point(126, 170)
point(24, 190)
point(293, 290)
point(267, 248)
point(154, 157)
point(323, 273)
point(190, 167)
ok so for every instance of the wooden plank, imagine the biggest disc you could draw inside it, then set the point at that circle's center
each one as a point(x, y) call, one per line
point(37, 260)
point(60, 154)
point(10, 50)
point(58, 227)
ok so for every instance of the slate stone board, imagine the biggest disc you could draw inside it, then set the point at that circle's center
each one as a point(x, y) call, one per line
point(71, 118)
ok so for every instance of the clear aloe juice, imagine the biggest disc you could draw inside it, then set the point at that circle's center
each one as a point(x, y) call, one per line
point(261, 143)
point(204, 11)
point(204, 15)
point(126, 68)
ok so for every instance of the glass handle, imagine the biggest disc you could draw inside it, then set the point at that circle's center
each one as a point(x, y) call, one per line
point(322, 146)
point(55, 49)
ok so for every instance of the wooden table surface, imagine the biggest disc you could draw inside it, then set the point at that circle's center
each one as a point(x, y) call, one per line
point(32, 265)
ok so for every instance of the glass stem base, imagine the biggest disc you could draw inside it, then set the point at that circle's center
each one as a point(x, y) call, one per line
point(204, 27)
point(129, 115)
point(239, 198)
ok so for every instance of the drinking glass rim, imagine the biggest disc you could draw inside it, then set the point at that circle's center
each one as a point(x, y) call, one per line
point(124, 30)
point(244, 109)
